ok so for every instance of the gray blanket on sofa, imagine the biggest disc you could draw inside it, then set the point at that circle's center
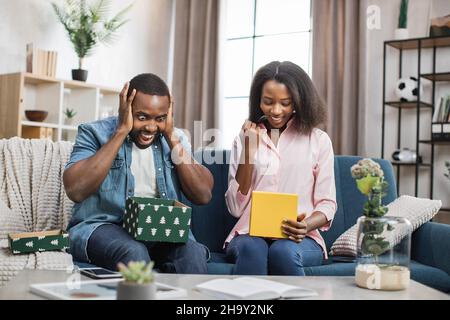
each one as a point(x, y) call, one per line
point(32, 198)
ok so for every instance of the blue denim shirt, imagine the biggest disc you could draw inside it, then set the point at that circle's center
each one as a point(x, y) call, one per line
point(107, 205)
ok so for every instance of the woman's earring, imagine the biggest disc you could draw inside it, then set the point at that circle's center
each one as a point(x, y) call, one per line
point(294, 111)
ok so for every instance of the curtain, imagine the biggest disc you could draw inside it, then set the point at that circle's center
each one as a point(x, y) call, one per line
point(335, 68)
point(194, 84)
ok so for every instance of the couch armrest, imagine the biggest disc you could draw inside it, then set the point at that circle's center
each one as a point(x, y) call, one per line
point(431, 245)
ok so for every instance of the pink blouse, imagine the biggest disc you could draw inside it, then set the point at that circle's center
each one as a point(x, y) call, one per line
point(300, 164)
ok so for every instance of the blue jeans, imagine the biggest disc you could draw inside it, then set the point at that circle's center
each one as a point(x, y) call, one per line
point(258, 256)
point(109, 244)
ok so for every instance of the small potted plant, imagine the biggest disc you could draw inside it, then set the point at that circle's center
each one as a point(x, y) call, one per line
point(70, 114)
point(402, 28)
point(138, 283)
point(87, 26)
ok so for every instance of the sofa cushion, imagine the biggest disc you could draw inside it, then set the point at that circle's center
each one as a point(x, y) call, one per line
point(220, 268)
point(416, 210)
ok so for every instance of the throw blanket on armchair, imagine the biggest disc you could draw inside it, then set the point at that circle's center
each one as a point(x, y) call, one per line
point(31, 186)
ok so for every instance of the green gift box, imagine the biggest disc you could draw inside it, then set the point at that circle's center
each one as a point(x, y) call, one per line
point(27, 242)
point(153, 219)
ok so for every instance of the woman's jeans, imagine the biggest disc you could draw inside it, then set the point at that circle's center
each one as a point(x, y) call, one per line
point(258, 256)
point(109, 244)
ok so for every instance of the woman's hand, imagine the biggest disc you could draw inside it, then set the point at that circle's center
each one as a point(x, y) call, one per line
point(252, 136)
point(295, 230)
point(125, 110)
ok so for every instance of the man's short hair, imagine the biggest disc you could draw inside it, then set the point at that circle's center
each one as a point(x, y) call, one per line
point(149, 83)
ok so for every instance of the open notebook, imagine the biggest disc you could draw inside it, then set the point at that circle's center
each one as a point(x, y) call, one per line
point(251, 288)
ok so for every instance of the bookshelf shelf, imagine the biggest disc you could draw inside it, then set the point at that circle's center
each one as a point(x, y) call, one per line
point(443, 76)
point(425, 43)
point(424, 165)
point(408, 105)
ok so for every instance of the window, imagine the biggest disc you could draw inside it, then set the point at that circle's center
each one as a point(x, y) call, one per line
point(257, 32)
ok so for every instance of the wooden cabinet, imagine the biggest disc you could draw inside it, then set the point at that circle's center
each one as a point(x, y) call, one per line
point(26, 91)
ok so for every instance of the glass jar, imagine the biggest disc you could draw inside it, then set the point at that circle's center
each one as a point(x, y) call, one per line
point(384, 250)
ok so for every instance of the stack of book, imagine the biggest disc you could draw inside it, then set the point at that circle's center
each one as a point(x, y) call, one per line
point(41, 62)
point(441, 120)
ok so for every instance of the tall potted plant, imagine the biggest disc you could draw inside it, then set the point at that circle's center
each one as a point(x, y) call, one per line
point(383, 242)
point(402, 28)
point(138, 283)
point(86, 26)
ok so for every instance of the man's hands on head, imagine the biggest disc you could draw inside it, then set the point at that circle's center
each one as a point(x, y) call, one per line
point(167, 131)
point(125, 110)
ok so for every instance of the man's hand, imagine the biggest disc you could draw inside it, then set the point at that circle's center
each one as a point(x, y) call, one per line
point(295, 230)
point(168, 129)
point(125, 109)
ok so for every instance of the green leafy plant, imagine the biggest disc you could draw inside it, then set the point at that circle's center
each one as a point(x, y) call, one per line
point(70, 113)
point(137, 271)
point(447, 165)
point(87, 26)
point(403, 16)
point(370, 181)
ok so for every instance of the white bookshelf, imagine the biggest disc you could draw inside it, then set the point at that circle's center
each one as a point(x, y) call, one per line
point(26, 91)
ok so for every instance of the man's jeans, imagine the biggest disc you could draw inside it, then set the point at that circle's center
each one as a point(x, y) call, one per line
point(258, 256)
point(109, 244)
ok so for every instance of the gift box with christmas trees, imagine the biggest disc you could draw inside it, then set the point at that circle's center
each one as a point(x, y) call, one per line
point(27, 242)
point(153, 219)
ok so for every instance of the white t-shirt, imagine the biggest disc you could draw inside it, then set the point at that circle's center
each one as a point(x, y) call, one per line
point(143, 170)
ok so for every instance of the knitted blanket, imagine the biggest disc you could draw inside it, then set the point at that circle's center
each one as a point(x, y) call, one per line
point(34, 199)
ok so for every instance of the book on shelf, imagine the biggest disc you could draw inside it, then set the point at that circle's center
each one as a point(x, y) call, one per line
point(252, 288)
point(437, 110)
point(32, 132)
point(40, 62)
point(440, 131)
point(442, 110)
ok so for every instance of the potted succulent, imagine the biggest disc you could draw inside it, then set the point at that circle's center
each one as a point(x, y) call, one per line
point(402, 28)
point(138, 283)
point(87, 26)
point(70, 114)
point(383, 242)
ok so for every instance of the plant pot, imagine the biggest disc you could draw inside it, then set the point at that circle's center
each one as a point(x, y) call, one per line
point(79, 74)
point(134, 291)
point(401, 34)
point(68, 121)
point(384, 248)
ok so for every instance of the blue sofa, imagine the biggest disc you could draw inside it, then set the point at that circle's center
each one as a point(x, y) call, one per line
point(430, 252)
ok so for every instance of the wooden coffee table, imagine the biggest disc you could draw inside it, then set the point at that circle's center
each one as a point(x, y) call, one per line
point(328, 288)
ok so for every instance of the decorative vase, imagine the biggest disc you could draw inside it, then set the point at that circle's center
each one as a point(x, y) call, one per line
point(79, 74)
point(384, 248)
point(401, 34)
point(134, 291)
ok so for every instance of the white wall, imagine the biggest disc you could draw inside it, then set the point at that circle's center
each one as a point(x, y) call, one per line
point(372, 81)
point(142, 44)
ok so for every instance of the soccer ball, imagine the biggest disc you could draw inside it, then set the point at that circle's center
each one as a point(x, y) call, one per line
point(406, 89)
